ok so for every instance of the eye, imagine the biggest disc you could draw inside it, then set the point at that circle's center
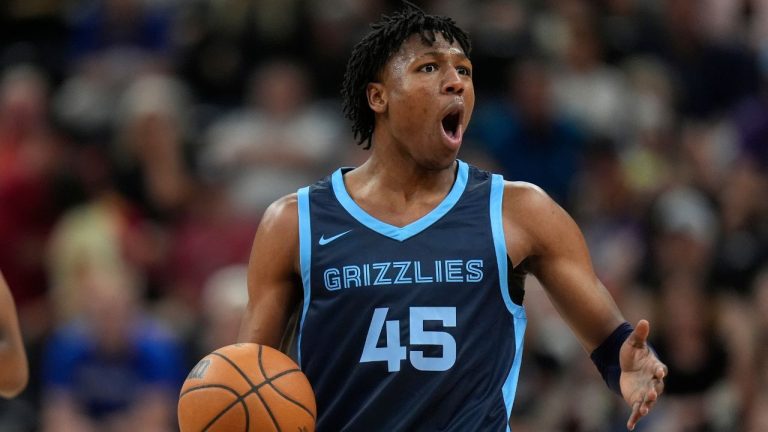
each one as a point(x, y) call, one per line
point(464, 71)
point(428, 68)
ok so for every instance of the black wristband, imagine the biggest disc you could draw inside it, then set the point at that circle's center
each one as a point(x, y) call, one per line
point(606, 356)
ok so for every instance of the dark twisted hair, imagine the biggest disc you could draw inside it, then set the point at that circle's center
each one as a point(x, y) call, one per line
point(375, 49)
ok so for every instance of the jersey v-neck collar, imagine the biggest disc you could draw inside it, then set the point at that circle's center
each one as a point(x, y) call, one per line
point(413, 228)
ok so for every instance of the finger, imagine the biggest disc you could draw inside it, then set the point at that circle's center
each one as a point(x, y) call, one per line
point(651, 400)
point(658, 377)
point(639, 410)
point(634, 417)
point(651, 396)
point(661, 372)
point(640, 334)
point(647, 408)
point(644, 406)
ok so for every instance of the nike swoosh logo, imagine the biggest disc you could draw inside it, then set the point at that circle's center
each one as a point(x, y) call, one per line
point(324, 241)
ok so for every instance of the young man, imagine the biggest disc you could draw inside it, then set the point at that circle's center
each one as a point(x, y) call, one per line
point(410, 268)
point(14, 370)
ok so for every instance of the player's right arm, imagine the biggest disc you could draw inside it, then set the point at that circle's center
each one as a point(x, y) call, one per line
point(14, 371)
point(273, 275)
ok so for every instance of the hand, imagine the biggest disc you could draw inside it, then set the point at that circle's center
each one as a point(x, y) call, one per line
point(642, 374)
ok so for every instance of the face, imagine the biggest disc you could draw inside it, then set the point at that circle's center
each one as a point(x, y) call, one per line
point(424, 101)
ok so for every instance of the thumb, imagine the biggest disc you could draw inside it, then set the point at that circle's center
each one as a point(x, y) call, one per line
point(639, 336)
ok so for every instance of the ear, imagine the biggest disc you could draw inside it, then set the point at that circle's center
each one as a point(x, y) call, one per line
point(377, 97)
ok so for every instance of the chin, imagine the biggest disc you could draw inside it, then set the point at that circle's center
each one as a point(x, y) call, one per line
point(439, 162)
point(431, 153)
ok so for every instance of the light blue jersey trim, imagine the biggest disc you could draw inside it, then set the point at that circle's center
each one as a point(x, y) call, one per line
point(410, 230)
point(305, 256)
point(518, 312)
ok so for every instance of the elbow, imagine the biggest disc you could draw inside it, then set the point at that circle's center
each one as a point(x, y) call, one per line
point(14, 381)
point(13, 387)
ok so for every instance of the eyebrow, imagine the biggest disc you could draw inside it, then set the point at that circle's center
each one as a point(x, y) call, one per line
point(443, 54)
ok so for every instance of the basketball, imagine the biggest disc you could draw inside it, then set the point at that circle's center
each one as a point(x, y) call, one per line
point(246, 387)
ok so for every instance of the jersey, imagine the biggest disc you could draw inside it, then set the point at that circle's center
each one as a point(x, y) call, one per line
point(409, 328)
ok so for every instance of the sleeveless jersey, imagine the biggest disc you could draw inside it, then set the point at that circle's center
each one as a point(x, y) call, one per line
point(409, 328)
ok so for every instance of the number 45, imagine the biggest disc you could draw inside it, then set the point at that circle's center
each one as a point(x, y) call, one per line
point(393, 353)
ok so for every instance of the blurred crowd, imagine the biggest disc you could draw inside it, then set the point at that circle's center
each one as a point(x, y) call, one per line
point(141, 140)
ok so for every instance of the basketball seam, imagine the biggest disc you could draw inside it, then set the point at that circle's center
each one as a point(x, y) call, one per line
point(254, 389)
point(234, 365)
point(266, 380)
point(269, 411)
point(288, 398)
point(203, 386)
point(224, 411)
point(240, 399)
point(247, 416)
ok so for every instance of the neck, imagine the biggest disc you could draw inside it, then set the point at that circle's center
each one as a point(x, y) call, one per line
point(400, 178)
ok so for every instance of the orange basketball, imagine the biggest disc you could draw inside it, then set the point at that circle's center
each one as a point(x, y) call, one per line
point(246, 387)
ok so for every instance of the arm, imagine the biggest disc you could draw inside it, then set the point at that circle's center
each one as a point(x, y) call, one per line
point(273, 288)
point(14, 371)
point(542, 233)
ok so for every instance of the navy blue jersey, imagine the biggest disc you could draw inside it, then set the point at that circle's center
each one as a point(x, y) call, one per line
point(409, 328)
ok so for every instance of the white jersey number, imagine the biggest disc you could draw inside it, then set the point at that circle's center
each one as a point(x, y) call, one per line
point(393, 353)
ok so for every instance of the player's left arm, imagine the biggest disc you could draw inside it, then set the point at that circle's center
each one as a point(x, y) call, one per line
point(14, 370)
point(542, 233)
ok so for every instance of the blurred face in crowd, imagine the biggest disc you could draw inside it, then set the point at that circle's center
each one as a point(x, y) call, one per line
point(532, 91)
point(280, 88)
point(109, 304)
point(583, 51)
point(23, 101)
point(683, 16)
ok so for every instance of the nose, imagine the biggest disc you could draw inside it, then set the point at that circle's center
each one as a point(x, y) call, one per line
point(452, 83)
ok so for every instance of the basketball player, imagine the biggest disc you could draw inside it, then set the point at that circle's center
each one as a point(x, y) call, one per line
point(410, 267)
point(14, 371)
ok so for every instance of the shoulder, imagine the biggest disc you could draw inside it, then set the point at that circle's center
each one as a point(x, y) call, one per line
point(534, 219)
point(526, 204)
point(278, 230)
point(282, 213)
point(527, 198)
point(286, 203)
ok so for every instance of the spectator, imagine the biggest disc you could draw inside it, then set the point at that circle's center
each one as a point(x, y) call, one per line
point(694, 350)
point(587, 88)
point(742, 246)
point(757, 419)
point(28, 164)
point(224, 298)
point(711, 76)
point(111, 368)
point(684, 236)
point(123, 30)
point(526, 135)
point(154, 158)
point(280, 141)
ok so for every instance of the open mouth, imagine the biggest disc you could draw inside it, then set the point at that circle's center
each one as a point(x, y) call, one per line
point(451, 123)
